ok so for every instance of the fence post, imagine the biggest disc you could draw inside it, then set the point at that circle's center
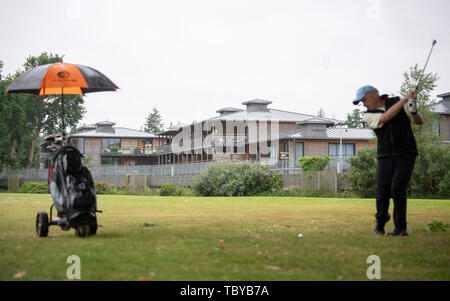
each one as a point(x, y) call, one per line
point(318, 180)
point(335, 182)
point(13, 183)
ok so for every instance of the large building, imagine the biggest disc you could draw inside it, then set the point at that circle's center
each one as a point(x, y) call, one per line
point(106, 144)
point(254, 133)
point(298, 135)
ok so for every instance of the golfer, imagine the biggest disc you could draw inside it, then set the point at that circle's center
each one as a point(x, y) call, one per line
point(390, 118)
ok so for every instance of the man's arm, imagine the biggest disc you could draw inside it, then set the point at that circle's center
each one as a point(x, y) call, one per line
point(395, 109)
point(418, 118)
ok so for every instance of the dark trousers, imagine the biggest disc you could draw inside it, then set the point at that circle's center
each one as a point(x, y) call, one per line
point(393, 175)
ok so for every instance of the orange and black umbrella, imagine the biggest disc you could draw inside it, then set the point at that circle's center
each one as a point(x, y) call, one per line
point(61, 79)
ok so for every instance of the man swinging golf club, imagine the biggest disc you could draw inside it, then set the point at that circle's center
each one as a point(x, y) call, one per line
point(390, 118)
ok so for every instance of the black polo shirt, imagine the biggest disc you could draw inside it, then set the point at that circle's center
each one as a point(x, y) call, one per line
point(395, 137)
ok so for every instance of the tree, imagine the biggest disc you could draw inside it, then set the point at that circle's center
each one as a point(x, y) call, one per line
point(14, 132)
point(321, 112)
point(431, 173)
point(424, 134)
point(153, 122)
point(354, 120)
point(314, 163)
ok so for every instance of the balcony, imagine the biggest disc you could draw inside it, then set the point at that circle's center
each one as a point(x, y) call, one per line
point(213, 140)
point(114, 152)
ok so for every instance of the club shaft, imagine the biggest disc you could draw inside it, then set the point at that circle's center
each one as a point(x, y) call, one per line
point(424, 67)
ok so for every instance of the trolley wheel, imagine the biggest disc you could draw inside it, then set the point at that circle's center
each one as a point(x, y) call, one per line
point(42, 224)
point(93, 227)
point(82, 230)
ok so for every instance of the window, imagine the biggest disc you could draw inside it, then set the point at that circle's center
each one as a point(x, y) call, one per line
point(436, 126)
point(348, 149)
point(299, 151)
point(81, 145)
point(108, 142)
point(110, 161)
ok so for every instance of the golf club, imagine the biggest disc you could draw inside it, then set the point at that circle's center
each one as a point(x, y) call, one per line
point(412, 101)
point(426, 63)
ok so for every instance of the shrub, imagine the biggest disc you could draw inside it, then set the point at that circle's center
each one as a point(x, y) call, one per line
point(34, 187)
point(363, 171)
point(431, 175)
point(314, 163)
point(184, 191)
point(102, 187)
point(235, 179)
point(430, 178)
point(168, 189)
point(276, 182)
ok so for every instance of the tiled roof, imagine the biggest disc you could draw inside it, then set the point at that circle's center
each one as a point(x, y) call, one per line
point(330, 133)
point(442, 107)
point(269, 115)
point(114, 132)
point(444, 95)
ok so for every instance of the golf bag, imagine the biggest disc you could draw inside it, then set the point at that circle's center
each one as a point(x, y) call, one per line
point(72, 188)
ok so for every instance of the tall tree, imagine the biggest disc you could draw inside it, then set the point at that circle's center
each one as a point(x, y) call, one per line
point(321, 112)
point(354, 120)
point(432, 169)
point(425, 133)
point(14, 132)
point(153, 122)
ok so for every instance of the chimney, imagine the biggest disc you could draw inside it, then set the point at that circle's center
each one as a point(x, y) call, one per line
point(105, 127)
point(86, 128)
point(257, 105)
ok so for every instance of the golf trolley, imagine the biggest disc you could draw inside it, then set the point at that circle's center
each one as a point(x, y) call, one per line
point(72, 190)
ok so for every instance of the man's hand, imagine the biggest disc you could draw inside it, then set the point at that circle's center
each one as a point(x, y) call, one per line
point(412, 106)
point(412, 94)
point(393, 111)
point(412, 103)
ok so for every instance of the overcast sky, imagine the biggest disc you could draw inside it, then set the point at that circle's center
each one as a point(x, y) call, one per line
point(189, 58)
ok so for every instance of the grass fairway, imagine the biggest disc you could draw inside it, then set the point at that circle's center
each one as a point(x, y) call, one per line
point(218, 238)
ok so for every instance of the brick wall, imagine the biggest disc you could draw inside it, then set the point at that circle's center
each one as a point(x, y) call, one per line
point(320, 147)
point(92, 146)
point(445, 127)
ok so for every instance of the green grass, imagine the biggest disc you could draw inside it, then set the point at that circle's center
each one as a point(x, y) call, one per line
point(219, 238)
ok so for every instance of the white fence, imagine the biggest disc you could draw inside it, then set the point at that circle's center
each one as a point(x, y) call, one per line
point(120, 171)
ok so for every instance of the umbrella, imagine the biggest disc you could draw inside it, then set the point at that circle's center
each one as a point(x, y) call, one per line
point(60, 79)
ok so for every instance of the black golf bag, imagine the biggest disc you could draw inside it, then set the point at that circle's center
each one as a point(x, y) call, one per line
point(73, 194)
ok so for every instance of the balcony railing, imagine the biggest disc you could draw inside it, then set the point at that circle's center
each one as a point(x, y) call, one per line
point(213, 140)
point(127, 152)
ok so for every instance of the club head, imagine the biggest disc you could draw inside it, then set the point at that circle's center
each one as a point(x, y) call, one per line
point(434, 42)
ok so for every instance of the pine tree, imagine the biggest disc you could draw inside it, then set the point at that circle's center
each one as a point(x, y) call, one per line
point(354, 120)
point(321, 113)
point(153, 122)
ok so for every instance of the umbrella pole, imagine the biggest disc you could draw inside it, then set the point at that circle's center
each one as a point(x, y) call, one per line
point(62, 106)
